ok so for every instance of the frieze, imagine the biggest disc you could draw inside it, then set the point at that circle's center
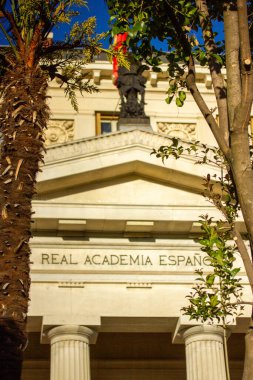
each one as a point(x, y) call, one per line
point(108, 142)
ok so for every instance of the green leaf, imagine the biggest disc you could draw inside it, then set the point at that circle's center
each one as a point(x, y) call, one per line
point(218, 257)
point(113, 17)
point(169, 99)
point(218, 58)
point(179, 103)
point(194, 302)
point(115, 30)
point(210, 279)
point(192, 12)
point(182, 96)
point(214, 301)
point(235, 271)
point(202, 55)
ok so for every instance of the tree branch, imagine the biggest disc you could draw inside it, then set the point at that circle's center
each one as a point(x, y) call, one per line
point(244, 255)
point(10, 19)
point(191, 84)
point(246, 63)
point(37, 38)
point(65, 47)
point(232, 44)
point(178, 28)
point(214, 67)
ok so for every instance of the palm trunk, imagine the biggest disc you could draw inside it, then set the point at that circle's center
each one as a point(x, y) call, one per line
point(23, 115)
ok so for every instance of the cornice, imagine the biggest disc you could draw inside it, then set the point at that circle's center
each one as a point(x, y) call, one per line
point(107, 143)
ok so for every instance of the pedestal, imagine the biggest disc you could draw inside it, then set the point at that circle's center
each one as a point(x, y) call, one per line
point(70, 359)
point(125, 124)
point(205, 353)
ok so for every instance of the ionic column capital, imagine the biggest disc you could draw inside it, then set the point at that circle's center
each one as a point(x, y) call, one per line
point(70, 332)
point(203, 332)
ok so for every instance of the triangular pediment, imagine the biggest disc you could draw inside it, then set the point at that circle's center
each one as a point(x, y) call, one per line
point(113, 183)
point(111, 157)
point(131, 189)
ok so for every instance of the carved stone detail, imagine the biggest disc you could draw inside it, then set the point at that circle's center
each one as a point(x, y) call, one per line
point(59, 131)
point(184, 131)
point(71, 284)
point(112, 141)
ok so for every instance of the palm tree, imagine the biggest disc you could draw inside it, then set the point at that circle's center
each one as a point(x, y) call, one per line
point(26, 66)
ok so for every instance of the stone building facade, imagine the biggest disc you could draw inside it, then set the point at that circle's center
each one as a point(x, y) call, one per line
point(113, 250)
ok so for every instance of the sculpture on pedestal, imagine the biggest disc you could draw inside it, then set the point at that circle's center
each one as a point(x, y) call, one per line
point(131, 85)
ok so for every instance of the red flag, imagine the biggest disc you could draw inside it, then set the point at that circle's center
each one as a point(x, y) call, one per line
point(119, 43)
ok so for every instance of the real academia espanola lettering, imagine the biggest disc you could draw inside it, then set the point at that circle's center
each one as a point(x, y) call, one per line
point(137, 260)
point(182, 260)
point(140, 260)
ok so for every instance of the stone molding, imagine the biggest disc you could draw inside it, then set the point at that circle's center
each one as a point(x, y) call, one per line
point(109, 142)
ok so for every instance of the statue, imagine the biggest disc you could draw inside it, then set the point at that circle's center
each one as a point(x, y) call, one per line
point(131, 85)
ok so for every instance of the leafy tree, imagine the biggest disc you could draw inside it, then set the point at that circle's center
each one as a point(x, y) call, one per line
point(188, 27)
point(29, 62)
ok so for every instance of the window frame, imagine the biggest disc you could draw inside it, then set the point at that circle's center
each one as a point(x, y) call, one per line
point(101, 116)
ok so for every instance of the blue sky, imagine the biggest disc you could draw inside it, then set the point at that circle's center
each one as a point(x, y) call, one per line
point(96, 8)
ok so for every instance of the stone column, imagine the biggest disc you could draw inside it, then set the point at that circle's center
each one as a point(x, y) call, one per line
point(70, 359)
point(205, 353)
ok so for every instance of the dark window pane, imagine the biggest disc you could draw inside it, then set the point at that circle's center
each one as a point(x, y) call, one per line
point(106, 127)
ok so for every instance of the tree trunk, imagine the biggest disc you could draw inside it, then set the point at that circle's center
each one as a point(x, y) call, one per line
point(232, 43)
point(23, 115)
point(243, 176)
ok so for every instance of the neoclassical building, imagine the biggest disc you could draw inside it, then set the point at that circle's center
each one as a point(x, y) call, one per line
point(114, 249)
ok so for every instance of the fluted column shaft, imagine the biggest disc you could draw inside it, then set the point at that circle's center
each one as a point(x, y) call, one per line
point(70, 358)
point(205, 353)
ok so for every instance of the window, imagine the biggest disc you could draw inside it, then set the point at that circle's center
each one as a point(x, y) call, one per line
point(106, 122)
